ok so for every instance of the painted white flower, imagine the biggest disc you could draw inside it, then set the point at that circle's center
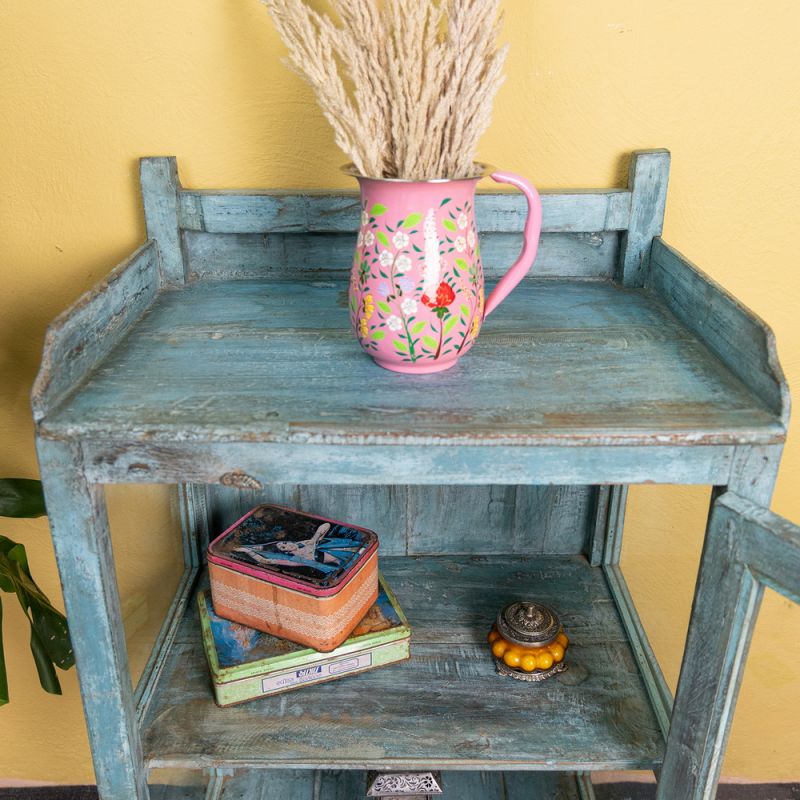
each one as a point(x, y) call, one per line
point(369, 238)
point(409, 306)
point(394, 323)
point(461, 244)
point(400, 240)
point(361, 238)
point(403, 263)
point(433, 264)
point(462, 221)
point(364, 217)
point(471, 238)
point(386, 259)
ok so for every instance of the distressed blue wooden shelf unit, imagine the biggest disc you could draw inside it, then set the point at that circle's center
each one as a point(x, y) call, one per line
point(219, 358)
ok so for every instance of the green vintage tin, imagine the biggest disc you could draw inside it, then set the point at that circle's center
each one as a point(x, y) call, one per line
point(246, 663)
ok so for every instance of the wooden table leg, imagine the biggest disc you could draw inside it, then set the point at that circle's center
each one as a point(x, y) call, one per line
point(79, 526)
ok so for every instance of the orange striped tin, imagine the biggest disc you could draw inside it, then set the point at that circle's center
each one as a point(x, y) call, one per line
point(301, 577)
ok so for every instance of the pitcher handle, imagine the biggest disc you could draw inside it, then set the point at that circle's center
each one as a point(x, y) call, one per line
point(533, 227)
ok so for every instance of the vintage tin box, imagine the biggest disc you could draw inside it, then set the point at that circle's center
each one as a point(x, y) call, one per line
point(294, 575)
point(246, 663)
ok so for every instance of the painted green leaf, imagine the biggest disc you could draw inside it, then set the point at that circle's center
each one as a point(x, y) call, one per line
point(461, 263)
point(384, 307)
point(411, 220)
point(418, 327)
point(429, 341)
point(465, 310)
point(378, 335)
point(449, 224)
point(383, 238)
point(448, 326)
point(377, 210)
point(446, 200)
point(401, 346)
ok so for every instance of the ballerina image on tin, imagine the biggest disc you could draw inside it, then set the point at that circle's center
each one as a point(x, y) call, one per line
point(320, 552)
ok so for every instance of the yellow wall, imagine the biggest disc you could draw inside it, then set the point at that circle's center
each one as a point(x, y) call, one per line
point(88, 87)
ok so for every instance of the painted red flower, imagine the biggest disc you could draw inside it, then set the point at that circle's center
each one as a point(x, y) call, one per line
point(444, 296)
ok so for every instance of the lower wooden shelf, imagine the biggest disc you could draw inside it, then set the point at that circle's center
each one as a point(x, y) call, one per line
point(446, 708)
point(351, 785)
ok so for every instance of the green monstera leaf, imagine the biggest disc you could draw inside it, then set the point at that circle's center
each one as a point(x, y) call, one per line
point(50, 643)
point(21, 497)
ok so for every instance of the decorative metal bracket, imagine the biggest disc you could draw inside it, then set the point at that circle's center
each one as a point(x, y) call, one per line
point(404, 785)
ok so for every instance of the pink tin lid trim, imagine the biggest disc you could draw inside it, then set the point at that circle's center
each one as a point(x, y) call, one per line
point(304, 552)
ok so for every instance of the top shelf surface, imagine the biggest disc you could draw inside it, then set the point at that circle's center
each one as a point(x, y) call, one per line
point(561, 362)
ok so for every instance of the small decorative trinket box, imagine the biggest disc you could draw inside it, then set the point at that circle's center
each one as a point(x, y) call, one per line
point(294, 575)
point(528, 642)
point(246, 663)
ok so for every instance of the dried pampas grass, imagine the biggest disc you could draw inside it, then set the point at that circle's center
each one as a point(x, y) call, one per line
point(407, 85)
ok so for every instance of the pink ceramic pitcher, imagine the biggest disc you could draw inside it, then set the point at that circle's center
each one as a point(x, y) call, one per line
point(416, 288)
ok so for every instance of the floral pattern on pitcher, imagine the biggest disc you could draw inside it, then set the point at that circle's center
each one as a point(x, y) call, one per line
point(417, 281)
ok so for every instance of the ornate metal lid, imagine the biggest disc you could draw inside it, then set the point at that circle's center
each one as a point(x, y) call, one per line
point(528, 624)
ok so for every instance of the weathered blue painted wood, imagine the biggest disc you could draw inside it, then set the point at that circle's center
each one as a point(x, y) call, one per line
point(351, 785)
point(262, 464)
point(446, 706)
point(160, 186)
point(234, 211)
point(322, 256)
point(247, 360)
point(742, 341)
point(240, 382)
point(80, 338)
point(419, 520)
point(647, 179)
point(746, 548)
point(79, 527)
point(148, 680)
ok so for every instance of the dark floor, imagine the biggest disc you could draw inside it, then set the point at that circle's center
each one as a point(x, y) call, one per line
point(610, 791)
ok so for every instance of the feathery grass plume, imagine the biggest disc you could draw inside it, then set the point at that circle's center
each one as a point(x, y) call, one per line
point(407, 85)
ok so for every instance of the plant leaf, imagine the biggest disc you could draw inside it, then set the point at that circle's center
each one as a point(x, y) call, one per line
point(382, 238)
point(49, 631)
point(446, 200)
point(449, 224)
point(411, 220)
point(385, 307)
point(401, 346)
point(378, 335)
point(463, 264)
point(430, 342)
point(21, 497)
point(418, 327)
point(44, 666)
point(377, 210)
point(465, 310)
point(3, 675)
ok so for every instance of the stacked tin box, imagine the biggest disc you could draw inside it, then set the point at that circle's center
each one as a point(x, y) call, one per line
point(296, 599)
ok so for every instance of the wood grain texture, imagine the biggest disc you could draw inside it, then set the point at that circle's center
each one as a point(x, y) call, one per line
point(647, 179)
point(287, 256)
point(81, 337)
point(276, 362)
point(444, 708)
point(418, 520)
point(110, 461)
point(738, 338)
point(746, 548)
point(160, 185)
point(234, 211)
point(79, 527)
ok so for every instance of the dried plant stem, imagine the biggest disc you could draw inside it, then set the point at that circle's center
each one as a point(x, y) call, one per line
point(407, 85)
